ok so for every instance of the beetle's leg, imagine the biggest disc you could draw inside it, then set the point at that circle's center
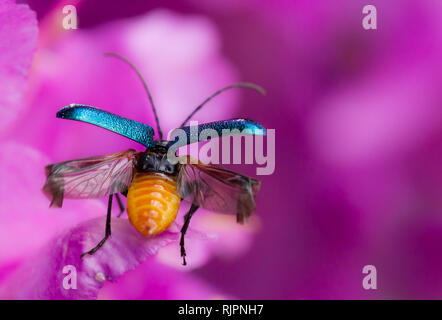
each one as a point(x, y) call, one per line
point(187, 218)
point(107, 232)
point(120, 204)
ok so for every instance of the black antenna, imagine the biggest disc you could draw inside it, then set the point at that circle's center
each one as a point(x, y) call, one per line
point(111, 54)
point(235, 85)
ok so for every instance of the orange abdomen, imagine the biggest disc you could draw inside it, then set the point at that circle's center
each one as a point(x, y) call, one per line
point(152, 202)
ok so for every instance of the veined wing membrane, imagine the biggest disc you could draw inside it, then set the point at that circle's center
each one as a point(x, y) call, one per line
point(220, 190)
point(92, 177)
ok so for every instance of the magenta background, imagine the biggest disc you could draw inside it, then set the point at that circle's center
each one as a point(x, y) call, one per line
point(357, 113)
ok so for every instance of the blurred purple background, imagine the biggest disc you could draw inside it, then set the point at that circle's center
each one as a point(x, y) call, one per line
point(358, 119)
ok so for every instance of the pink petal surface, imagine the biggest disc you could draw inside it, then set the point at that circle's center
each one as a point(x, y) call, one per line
point(156, 281)
point(18, 42)
point(42, 276)
point(27, 221)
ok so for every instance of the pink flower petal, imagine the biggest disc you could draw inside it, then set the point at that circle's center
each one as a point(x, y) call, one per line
point(161, 282)
point(27, 221)
point(43, 278)
point(18, 41)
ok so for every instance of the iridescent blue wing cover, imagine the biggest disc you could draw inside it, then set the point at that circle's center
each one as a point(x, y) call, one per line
point(222, 128)
point(134, 130)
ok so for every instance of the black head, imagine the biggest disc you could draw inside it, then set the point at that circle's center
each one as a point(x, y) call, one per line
point(155, 159)
point(160, 146)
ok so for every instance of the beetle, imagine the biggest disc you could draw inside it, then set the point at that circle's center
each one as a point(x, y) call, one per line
point(154, 185)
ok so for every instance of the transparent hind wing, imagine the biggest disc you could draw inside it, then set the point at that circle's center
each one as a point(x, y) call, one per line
point(92, 177)
point(220, 190)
